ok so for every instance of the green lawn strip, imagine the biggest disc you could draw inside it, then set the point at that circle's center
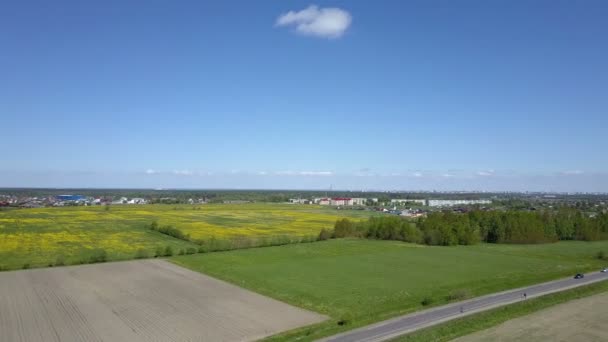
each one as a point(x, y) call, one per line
point(364, 281)
point(484, 320)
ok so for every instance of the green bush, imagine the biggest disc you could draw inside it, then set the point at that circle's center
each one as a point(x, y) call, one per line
point(98, 255)
point(344, 228)
point(459, 294)
point(170, 231)
point(141, 254)
point(344, 319)
point(60, 261)
point(426, 301)
point(168, 251)
point(325, 234)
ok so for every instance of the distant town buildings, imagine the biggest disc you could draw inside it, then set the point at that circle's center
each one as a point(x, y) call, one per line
point(400, 206)
point(340, 201)
point(348, 201)
point(407, 201)
point(73, 198)
point(451, 203)
point(300, 201)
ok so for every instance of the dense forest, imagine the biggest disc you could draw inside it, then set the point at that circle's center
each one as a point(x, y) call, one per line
point(449, 228)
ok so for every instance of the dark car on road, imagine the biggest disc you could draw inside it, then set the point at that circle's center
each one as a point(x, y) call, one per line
point(579, 276)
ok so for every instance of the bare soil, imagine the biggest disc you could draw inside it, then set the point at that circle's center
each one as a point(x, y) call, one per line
point(145, 300)
point(581, 320)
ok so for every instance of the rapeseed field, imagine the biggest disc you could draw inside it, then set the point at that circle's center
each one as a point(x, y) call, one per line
point(53, 236)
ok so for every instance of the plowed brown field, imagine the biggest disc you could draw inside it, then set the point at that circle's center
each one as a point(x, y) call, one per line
point(149, 300)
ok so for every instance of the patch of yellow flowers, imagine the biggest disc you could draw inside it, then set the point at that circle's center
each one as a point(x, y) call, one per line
point(123, 229)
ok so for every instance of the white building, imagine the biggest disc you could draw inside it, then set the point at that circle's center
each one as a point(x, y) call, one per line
point(407, 200)
point(341, 201)
point(359, 201)
point(322, 201)
point(299, 201)
point(122, 200)
point(451, 203)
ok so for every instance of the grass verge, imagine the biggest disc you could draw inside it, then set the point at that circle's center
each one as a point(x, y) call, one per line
point(484, 320)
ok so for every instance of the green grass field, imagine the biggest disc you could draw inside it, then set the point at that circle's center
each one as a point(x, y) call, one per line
point(37, 237)
point(362, 281)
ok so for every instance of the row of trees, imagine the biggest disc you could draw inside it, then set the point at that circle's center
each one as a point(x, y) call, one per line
point(448, 228)
point(169, 230)
point(564, 223)
point(382, 228)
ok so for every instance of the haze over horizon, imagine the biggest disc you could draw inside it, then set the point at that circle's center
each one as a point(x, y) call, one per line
point(419, 95)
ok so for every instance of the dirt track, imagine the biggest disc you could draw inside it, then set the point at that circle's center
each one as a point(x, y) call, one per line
point(578, 320)
point(149, 300)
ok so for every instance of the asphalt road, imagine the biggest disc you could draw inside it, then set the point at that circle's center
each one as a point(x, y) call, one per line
point(392, 328)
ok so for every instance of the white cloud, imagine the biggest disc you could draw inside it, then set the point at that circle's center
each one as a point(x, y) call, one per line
point(447, 175)
point(364, 172)
point(417, 174)
point(572, 172)
point(262, 173)
point(316, 173)
point(485, 173)
point(304, 173)
point(151, 172)
point(183, 172)
point(315, 21)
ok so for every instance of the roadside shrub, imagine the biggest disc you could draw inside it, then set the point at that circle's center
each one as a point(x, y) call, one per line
point(459, 294)
point(141, 254)
point(308, 239)
point(191, 250)
point(26, 266)
point(600, 255)
point(168, 251)
point(213, 245)
point(344, 228)
point(98, 255)
point(159, 252)
point(60, 261)
point(325, 234)
point(427, 301)
point(280, 240)
point(240, 242)
point(344, 320)
point(181, 252)
point(202, 249)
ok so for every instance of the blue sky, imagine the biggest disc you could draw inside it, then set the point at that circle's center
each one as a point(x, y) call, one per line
point(410, 95)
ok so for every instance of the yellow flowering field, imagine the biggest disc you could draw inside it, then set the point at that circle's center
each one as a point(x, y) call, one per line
point(48, 236)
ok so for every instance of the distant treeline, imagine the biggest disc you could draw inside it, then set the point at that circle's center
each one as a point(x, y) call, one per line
point(448, 228)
